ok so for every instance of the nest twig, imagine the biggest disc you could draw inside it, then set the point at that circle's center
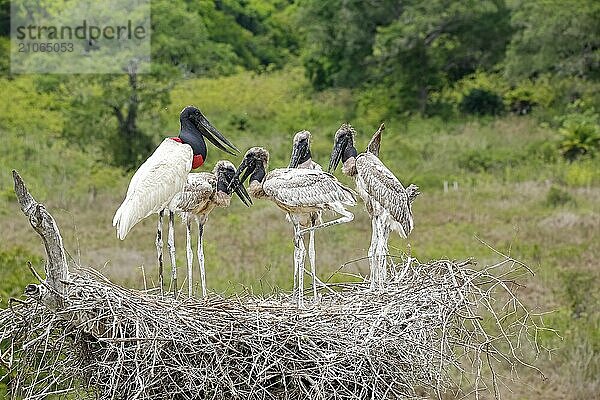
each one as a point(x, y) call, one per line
point(435, 327)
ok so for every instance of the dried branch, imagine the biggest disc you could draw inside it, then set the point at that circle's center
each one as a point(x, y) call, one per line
point(43, 223)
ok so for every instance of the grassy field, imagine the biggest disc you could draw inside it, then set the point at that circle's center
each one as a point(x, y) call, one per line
point(512, 191)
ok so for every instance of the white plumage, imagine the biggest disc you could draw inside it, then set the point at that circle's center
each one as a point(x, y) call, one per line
point(154, 184)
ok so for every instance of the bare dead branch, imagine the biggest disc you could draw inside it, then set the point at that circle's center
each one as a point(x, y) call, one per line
point(43, 223)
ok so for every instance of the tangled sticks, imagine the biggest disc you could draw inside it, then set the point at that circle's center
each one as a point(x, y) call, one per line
point(436, 327)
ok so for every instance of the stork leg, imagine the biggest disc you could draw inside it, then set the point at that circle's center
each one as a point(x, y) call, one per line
point(347, 216)
point(311, 258)
point(171, 246)
point(189, 255)
point(159, 250)
point(384, 235)
point(201, 259)
point(373, 263)
point(298, 289)
point(301, 272)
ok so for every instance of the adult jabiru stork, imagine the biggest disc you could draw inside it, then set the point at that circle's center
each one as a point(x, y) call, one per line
point(163, 175)
point(298, 192)
point(387, 201)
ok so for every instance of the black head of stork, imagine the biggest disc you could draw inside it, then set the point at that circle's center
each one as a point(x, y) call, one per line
point(300, 149)
point(343, 146)
point(254, 165)
point(227, 181)
point(195, 127)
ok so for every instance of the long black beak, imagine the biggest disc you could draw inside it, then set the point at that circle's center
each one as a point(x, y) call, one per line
point(247, 168)
point(233, 184)
point(216, 137)
point(237, 184)
point(299, 150)
point(336, 154)
point(241, 192)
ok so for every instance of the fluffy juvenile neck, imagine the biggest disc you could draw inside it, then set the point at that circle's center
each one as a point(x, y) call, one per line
point(222, 199)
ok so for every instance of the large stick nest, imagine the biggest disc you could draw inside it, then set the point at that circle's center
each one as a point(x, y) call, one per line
point(434, 328)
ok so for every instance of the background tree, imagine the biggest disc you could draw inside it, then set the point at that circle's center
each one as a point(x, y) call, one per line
point(412, 47)
point(436, 43)
point(339, 36)
point(188, 38)
point(559, 37)
point(118, 111)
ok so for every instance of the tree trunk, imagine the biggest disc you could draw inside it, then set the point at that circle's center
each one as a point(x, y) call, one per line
point(423, 95)
point(127, 123)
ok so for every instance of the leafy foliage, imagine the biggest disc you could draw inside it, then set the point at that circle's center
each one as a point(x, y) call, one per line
point(482, 102)
point(117, 115)
point(528, 94)
point(439, 42)
point(411, 48)
point(14, 275)
point(338, 38)
point(556, 36)
point(580, 135)
point(558, 197)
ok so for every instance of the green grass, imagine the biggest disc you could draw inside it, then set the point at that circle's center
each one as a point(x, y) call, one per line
point(514, 192)
point(13, 272)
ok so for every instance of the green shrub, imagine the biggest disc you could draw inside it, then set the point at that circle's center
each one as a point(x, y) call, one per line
point(579, 131)
point(580, 135)
point(582, 173)
point(579, 292)
point(523, 97)
point(481, 102)
point(521, 101)
point(558, 197)
point(239, 122)
point(14, 275)
point(476, 161)
point(488, 159)
point(440, 108)
point(375, 104)
point(544, 150)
